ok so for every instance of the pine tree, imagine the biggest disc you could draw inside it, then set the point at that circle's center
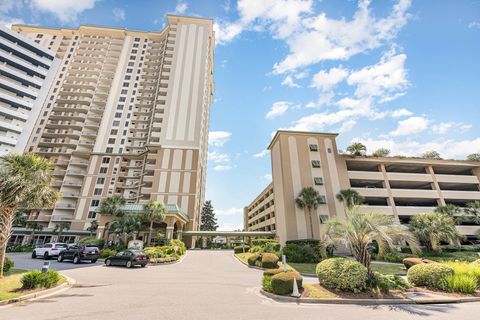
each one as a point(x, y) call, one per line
point(209, 222)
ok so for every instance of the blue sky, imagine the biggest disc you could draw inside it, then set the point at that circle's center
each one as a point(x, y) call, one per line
point(398, 74)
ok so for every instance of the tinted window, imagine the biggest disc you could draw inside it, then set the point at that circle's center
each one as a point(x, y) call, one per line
point(48, 245)
point(91, 248)
point(60, 245)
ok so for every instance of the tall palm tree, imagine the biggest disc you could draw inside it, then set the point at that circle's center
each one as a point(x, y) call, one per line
point(24, 183)
point(153, 211)
point(60, 227)
point(360, 230)
point(357, 149)
point(112, 206)
point(93, 227)
point(434, 227)
point(35, 227)
point(309, 199)
point(126, 226)
point(350, 198)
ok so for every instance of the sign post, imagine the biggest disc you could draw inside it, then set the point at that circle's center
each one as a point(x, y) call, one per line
point(284, 262)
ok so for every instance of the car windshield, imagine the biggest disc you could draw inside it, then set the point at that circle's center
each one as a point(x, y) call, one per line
point(91, 248)
point(136, 252)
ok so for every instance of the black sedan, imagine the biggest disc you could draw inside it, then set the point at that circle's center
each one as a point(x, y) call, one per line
point(128, 258)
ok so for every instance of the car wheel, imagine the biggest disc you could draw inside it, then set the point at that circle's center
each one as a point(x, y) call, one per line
point(108, 262)
point(34, 255)
point(143, 265)
point(93, 260)
point(46, 256)
point(60, 258)
point(128, 264)
point(76, 259)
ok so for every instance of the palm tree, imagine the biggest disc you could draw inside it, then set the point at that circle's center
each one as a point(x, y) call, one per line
point(60, 227)
point(309, 199)
point(24, 183)
point(434, 227)
point(357, 149)
point(112, 206)
point(381, 152)
point(35, 227)
point(449, 209)
point(126, 226)
point(360, 230)
point(93, 227)
point(350, 198)
point(473, 210)
point(153, 211)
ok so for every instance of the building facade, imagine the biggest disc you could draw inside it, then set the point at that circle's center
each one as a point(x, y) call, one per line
point(397, 186)
point(27, 70)
point(128, 115)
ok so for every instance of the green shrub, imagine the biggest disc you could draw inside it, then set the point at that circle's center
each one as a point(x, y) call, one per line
point(7, 264)
point(267, 278)
point(269, 260)
point(342, 274)
point(49, 279)
point(385, 283)
point(476, 262)
point(252, 259)
point(181, 246)
point(271, 247)
point(465, 268)
point(282, 282)
point(255, 249)
point(239, 249)
point(409, 262)
point(462, 283)
point(93, 241)
point(262, 242)
point(105, 253)
point(31, 279)
point(19, 248)
point(430, 275)
point(35, 279)
point(302, 253)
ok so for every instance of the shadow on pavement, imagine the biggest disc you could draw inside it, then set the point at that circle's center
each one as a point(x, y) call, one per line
point(418, 309)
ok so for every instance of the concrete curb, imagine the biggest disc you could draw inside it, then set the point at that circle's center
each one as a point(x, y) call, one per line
point(47, 292)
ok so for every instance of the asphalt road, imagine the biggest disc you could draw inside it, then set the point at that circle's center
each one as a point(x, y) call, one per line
point(205, 285)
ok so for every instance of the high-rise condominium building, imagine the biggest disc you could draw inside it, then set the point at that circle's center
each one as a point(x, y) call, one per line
point(397, 186)
point(26, 73)
point(128, 115)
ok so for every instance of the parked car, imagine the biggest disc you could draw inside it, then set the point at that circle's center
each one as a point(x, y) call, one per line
point(128, 258)
point(48, 250)
point(79, 252)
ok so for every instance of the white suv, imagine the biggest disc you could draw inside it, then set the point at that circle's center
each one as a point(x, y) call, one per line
point(48, 250)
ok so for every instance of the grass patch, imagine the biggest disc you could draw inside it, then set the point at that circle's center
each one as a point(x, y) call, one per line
point(467, 256)
point(316, 291)
point(11, 286)
point(397, 268)
point(304, 267)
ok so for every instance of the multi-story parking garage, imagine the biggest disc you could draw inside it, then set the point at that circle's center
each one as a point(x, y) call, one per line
point(398, 186)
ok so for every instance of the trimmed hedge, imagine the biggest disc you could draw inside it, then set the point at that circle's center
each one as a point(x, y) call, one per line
point(105, 253)
point(282, 282)
point(262, 242)
point(252, 259)
point(269, 260)
point(410, 262)
point(36, 279)
point(239, 249)
point(342, 274)
point(7, 264)
point(430, 275)
point(93, 241)
point(302, 253)
point(267, 278)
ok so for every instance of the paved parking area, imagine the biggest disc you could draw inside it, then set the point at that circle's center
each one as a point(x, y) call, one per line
point(205, 285)
point(25, 261)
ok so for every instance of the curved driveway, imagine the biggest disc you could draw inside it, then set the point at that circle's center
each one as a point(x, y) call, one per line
point(205, 285)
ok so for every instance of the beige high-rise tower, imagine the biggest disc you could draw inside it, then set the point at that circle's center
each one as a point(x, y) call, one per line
point(127, 114)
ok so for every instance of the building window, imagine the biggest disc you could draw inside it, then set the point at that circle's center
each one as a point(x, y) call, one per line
point(323, 218)
point(109, 150)
point(316, 163)
point(118, 114)
point(313, 147)
point(95, 203)
point(329, 150)
point(111, 140)
point(114, 131)
point(106, 160)
point(100, 180)
point(323, 199)
point(97, 192)
point(103, 170)
point(318, 181)
point(92, 215)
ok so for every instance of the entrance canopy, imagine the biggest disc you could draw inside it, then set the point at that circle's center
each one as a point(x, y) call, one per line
point(230, 233)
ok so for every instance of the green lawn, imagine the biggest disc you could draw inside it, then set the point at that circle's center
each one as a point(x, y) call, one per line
point(394, 268)
point(10, 285)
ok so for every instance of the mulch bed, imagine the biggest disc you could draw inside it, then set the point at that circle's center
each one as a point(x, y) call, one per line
point(368, 294)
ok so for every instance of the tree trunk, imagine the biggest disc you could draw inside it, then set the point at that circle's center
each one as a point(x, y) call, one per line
point(311, 224)
point(150, 233)
point(6, 221)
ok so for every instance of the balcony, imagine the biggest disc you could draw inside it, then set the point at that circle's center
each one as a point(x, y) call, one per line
point(70, 194)
point(59, 217)
point(414, 193)
point(79, 162)
point(80, 173)
point(372, 192)
point(409, 211)
point(400, 176)
point(65, 206)
point(365, 175)
point(73, 184)
point(456, 178)
point(463, 195)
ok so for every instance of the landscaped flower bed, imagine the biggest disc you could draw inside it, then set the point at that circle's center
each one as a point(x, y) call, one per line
point(166, 254)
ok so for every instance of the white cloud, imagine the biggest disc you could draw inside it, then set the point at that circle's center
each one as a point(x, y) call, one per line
point(474, 24)
point(119, 13)
point(226, 32)
point(218, 157)
point(267, 177)
point(412, 125)
point(222, 167)
point(229, 212)
point(289, 82)
point(218, 138)
point(323, 39)
point(401, 113)
point(181, 8)
point(385, 80)
point(277, 109)
point(8, 22)
point(261, 154)
point(325, 80)
point(65, 10)
point(347, 126)
point(445, 127)
point(448, 149)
